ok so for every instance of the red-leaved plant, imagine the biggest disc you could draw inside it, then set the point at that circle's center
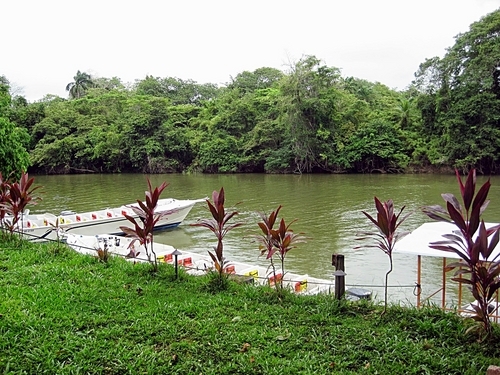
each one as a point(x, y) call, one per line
point(387, 223)
point(4, 194)
point(277, 242)
point(473, 247)
point(20, 194)
point(143, 230)
point(219, 226)
point(265, 240)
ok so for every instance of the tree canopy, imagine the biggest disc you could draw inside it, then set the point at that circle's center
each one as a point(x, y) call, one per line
point(14, 157)
point(78, 88)
point(306, 119)
point(460, 99)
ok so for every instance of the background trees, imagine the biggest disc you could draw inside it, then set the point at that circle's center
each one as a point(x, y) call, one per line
point(14, 140)
point(78, 88)
point(305, 120)
point(460, 99)
point(177, 90)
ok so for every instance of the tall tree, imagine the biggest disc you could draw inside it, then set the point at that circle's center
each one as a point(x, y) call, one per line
point(306, 108)
point(13, 140)
point(78, 88)
point(467, 104)
point(143, 119)
point(177, 90)
point(261, 78)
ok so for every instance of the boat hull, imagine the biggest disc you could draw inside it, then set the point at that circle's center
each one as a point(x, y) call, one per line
point(45, 227)
point(198, 264)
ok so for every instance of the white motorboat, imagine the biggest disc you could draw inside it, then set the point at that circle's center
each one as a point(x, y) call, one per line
point(108, 221)
point(193, 263)
point(121, 246)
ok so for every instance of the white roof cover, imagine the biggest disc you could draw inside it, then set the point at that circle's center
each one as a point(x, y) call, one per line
point(417, 242)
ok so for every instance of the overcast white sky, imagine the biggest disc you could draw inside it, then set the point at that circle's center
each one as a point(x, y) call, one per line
point(44, 42)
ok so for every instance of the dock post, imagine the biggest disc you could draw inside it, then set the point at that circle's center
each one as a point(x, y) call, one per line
point(338, 263)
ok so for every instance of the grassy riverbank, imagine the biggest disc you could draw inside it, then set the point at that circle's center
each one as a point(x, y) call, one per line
point(63, 313)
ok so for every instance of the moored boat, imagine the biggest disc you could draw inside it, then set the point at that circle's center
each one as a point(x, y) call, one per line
point(121, 246)
point(195, 264)
point(108, 221)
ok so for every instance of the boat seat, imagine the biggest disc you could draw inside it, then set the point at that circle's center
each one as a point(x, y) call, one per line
point(167, 258)
point(253, 273)
point(300, 286)
point(275, 279)
point(186, 262)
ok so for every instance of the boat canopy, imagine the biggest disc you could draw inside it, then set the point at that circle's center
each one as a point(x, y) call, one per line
point(417, 242)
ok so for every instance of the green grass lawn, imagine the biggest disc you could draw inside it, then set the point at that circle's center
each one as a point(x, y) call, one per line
point(64, 313)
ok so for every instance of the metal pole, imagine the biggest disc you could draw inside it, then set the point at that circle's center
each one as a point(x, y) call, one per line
point(176, 267)
point(176, 253)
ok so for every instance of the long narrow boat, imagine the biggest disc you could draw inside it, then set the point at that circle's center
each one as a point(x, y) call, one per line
point(46, 226)
point(193, 263)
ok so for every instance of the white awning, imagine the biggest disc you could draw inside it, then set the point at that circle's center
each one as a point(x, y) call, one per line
point(417, 242)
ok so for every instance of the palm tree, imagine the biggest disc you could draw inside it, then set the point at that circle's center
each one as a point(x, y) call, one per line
point(403, 110)
point(82, 83)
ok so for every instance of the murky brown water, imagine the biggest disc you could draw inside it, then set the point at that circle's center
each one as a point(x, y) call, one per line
point(328, 209)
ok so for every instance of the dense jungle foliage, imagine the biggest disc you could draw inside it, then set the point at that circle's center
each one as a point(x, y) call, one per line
point(307, 119)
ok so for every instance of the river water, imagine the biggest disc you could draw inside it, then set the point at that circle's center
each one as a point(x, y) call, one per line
point(327, 208)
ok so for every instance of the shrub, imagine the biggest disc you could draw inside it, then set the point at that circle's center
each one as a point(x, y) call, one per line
point(474, 248)
point(387, 223)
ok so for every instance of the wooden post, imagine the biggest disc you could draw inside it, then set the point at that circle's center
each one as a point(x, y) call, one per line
point(338, 263)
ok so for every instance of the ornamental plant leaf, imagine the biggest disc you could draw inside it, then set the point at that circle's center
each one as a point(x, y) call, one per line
point(4, 196)
point(148, 218)
point(218, 225)
point(386, 236)
point(20, 195)
point(474, 245)
point(277, 242)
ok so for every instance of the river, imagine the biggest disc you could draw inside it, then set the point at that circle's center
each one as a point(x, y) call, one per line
point(327, 208)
